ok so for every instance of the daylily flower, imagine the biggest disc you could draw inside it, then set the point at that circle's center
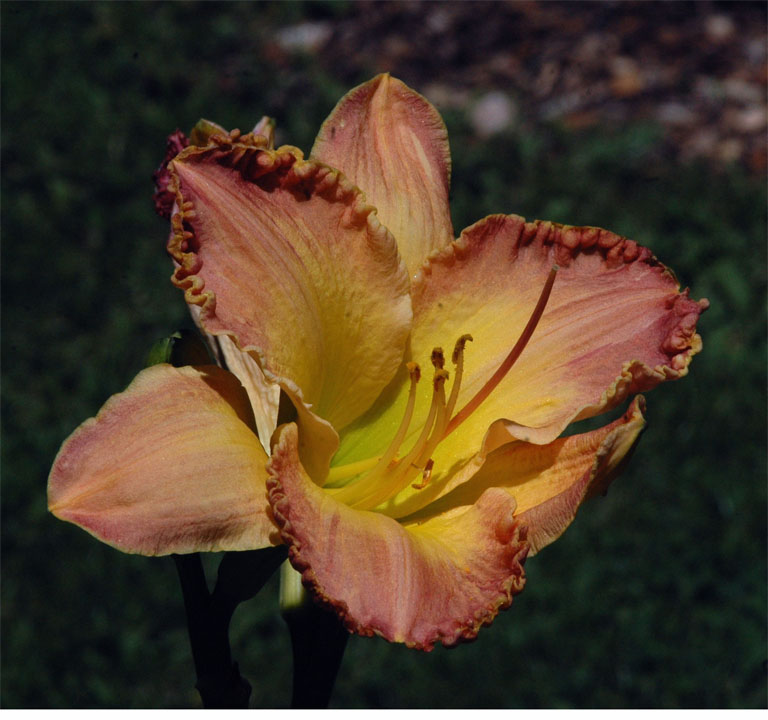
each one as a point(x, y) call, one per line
point(409, 482)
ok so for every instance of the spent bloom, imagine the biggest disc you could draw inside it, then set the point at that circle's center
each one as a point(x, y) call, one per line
point(390, 400)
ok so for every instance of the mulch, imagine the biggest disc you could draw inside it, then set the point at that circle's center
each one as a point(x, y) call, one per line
point(698, 69)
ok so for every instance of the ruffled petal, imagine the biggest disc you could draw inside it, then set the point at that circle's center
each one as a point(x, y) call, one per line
point(548, 507)
point(439, 581)
point(615, 324)
point(284, 256)
point(170, 465)
point(548, 482)
point(392, 143)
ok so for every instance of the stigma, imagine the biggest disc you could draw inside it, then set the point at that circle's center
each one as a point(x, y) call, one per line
point(375, 480)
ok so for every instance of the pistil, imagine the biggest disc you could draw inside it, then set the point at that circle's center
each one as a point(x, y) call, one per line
point(508, 361)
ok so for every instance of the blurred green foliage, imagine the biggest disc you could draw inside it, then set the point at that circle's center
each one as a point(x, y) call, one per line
point(656, 597)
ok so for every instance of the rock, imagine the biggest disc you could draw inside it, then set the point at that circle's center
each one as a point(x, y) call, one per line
point(700, 144)
point(492, 113)
point(730, 150)
point(740, 90)
point(304, 37)
point(719, 28)
point(749, 120)
point(675, 113)
point(445, 96)
point(627, 77)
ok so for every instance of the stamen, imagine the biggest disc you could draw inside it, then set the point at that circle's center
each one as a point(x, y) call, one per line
point(435, 409)
point(382, 477)
point(441, 419)
point(415, 372)
point(379, 464)
point(458, 361)
point(445, 410)
point(510, 360)
point(369, 491)
point(343, 472)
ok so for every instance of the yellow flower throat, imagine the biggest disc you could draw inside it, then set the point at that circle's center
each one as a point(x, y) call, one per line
point(378, 478)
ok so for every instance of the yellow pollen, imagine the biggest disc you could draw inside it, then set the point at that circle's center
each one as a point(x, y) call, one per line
point(382, 477)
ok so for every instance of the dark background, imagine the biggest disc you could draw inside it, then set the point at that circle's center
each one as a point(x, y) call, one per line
point(648, 119)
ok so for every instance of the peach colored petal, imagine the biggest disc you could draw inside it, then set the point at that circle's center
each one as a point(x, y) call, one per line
point(170, 465)
point(439, 581)
point(546, 514)
point(616, 324)
point(392, 143)
point(318, 440)
point(284, 256)
point(263, 394)
point(548, 482)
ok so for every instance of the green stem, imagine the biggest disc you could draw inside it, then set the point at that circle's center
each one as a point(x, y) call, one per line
point(318, 639)
point(241, 575)
point(218, 678)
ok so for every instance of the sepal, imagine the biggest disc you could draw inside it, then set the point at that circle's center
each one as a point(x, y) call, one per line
point(184, 347)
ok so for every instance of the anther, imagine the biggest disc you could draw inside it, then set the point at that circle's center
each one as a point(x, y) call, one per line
point(426, 476)
point(440, 378)
point(458, 349)
point(438, 359)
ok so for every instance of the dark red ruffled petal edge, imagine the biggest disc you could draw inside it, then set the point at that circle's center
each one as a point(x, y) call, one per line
point(567, 242)
point(163, 197)
point(681, 342)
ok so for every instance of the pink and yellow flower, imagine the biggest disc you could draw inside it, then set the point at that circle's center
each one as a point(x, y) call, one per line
point(409, 483)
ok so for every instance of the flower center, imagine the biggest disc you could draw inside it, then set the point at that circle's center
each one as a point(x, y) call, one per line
point(379, 478)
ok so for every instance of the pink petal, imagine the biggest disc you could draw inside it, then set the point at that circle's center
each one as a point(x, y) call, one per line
point(392, 143)
point(616, 324)
point(170, 465)
point(548, 482)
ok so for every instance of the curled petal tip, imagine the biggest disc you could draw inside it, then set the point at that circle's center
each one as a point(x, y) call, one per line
point(163, 196)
